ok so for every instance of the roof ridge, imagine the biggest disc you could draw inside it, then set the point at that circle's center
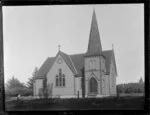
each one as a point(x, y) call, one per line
point(73, 64)
point(77, 54)
point(107, 50)
point(63, 52)
point(69, 63)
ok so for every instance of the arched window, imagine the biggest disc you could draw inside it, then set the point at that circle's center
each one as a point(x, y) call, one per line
point(57, 80)
point(60, 78)
point(90, 64)
point(60, 72)
point(60, 81)
point(94, 64)
point(63, 80)
point(93, 86)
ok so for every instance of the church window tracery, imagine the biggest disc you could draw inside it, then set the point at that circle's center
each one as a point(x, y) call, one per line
point(57, 80)
point(92, 64)
point(63, 80)
point(60, 79)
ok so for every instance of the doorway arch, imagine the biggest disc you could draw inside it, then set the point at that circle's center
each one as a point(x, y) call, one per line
point(93, 86)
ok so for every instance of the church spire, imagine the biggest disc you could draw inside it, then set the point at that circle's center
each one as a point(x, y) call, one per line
point(94, 46)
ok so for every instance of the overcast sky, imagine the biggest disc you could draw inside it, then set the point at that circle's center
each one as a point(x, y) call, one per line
point(33, 33)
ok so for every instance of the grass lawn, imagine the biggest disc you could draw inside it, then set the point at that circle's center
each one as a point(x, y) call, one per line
point(109, 103)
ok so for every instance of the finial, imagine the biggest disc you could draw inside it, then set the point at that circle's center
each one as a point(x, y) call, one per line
point(93, 7)
point(59, 47)
point(113, 46)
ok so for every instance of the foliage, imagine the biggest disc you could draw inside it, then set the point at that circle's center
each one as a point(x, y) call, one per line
point(31, 81)
point(130, 88)
point(45, 88)
point(141, 81)
point(14, 87)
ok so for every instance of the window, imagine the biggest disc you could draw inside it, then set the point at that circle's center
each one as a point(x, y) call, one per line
point(60, 79)
point(63, 80)
point(59, 60)
point(90, 64)
point(57, 80)
point(94, 64)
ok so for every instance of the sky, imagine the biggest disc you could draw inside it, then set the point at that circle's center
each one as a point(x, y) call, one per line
point(33, 33)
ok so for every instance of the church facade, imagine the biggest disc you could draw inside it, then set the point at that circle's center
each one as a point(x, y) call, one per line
point(90, 74)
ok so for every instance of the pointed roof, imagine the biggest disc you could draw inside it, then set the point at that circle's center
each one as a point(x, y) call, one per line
point(68, 61)
point(113, 54)
point(46, 66)
point(107, 54)
point(94, 46)
point(75, 62)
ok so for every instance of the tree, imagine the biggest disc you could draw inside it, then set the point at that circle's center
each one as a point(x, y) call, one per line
point(45, 87)
point(131, 88)
point(14, 87)
point(13, 83)
point(141, 81)
point(31, 80)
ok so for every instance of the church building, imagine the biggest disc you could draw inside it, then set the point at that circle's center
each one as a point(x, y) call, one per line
point(90, 74)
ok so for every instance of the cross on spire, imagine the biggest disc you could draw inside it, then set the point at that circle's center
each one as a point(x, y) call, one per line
point(59, 47)
point(113, 46)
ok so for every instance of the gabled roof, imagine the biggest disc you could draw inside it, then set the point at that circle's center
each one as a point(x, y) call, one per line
point(94, 46)
point(43, 70)
point(107, 54)
point(76, 60)
point(68, 61)
point(115, 63)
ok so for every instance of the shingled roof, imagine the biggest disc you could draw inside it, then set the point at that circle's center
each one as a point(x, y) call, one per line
point(43, 70)
point(94, 46)
point(68, 61)
point(107, 54)
point(75, 61)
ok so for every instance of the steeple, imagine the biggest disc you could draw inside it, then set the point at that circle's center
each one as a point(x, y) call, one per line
point(94, 46)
